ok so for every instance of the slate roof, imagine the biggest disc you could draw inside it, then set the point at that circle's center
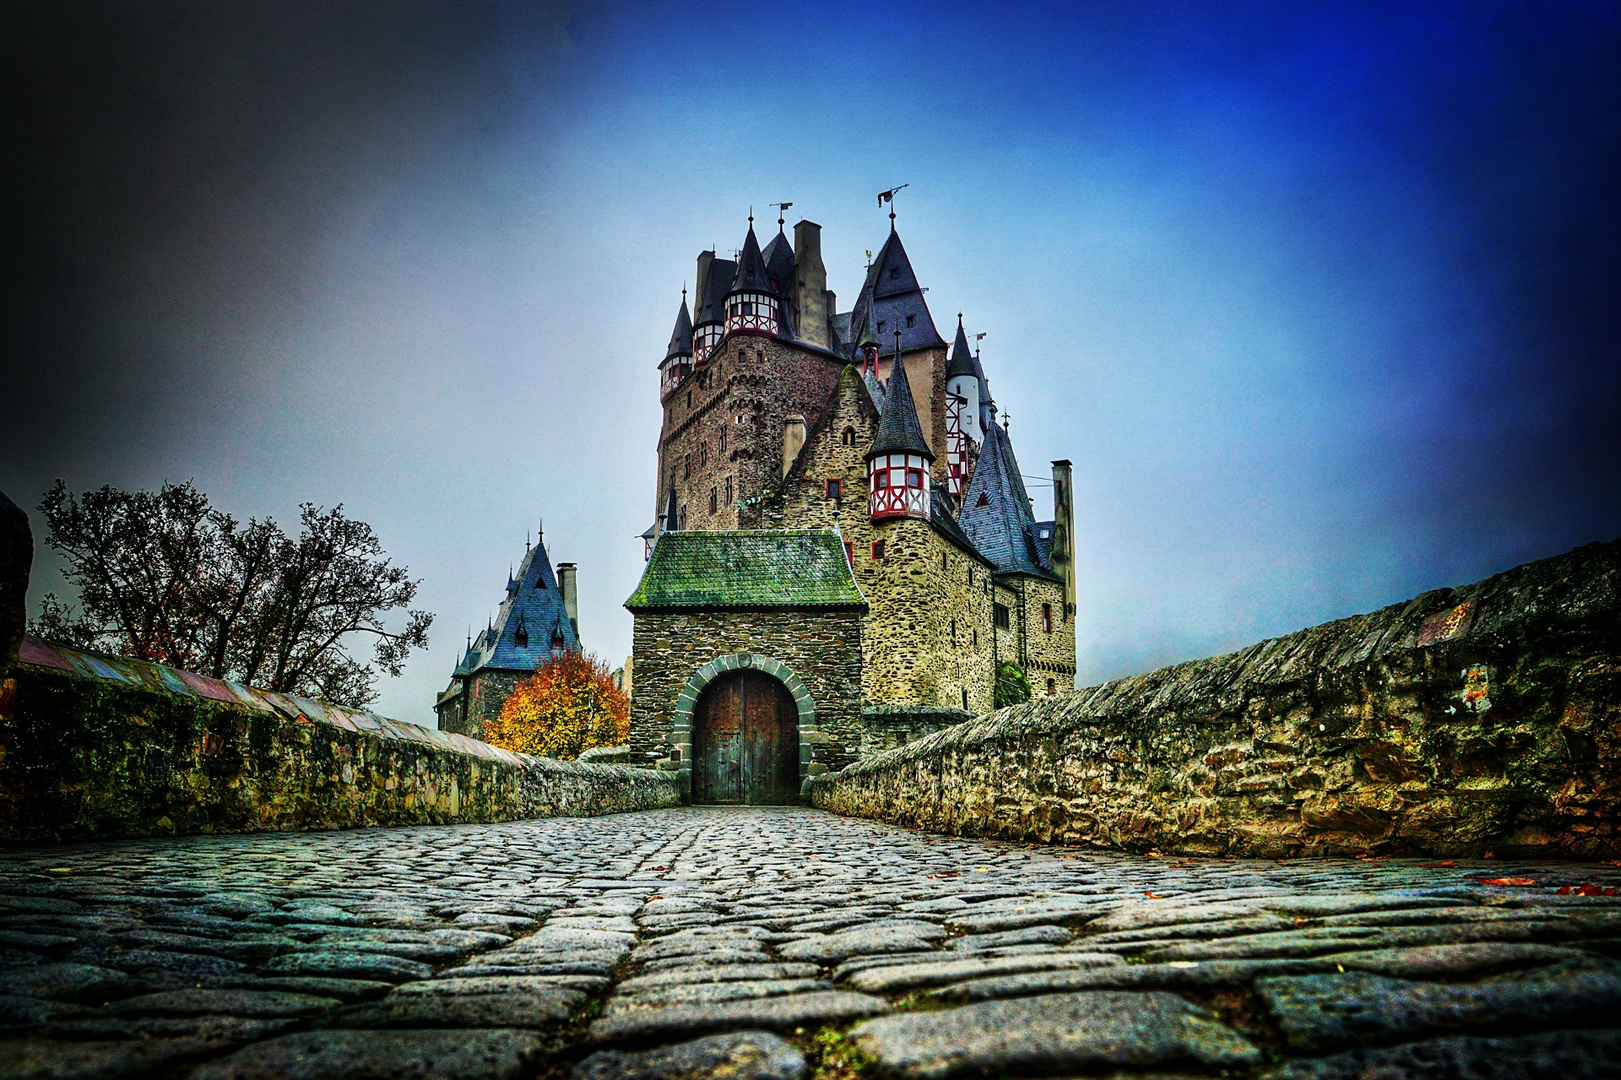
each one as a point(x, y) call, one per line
point(996, 510)
point(898, 429)
point(756, 568)
point(751, 272)
point(961, 361)
point(779, 263)
point(534, 606)
point(712, 291)
point(889, 295)
point(681, 336)
point(940, 516)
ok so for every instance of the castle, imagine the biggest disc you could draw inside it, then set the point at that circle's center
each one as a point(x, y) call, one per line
point(539, 619)
point(844, 550)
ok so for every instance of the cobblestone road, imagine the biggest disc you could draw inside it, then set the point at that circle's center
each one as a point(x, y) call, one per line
point(674, 943)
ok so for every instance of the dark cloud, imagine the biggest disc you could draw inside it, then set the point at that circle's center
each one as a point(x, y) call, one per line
point(170, 168)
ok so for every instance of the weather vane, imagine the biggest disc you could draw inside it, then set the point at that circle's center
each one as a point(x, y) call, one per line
point(782, 208)
point(889, 197)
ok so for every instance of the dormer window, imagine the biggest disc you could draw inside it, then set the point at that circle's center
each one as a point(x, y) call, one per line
point(521, 637)
point(911, 320)
point(894, 272)
point(833, 488)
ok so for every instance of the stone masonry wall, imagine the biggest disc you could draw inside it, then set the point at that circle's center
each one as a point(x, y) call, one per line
point(478, 703)
point(927, 634)
point(822, 647)
point(1047, 656)
point(1485, 718)
point(725, 422)
point(100, 747)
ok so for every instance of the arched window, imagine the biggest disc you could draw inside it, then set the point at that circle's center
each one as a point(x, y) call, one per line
point(713, 500)
point(848, 438)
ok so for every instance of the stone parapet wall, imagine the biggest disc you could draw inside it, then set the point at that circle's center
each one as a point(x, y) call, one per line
point(1486, 718)
point(98, 747)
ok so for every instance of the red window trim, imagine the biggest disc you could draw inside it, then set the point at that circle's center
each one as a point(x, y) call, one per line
point(877, 551)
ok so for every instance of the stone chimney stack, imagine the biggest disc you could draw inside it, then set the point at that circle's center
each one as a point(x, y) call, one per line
point(1063, 549)
point(810, 297)
point(793, 440)
point(571, 595)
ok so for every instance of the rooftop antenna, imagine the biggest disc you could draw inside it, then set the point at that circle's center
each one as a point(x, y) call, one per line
point(782, 208)
point(889, 197)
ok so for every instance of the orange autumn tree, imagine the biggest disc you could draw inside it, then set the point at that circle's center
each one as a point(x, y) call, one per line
point(568, 706)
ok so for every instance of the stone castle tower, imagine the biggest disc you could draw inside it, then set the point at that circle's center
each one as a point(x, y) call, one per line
point(844, 549)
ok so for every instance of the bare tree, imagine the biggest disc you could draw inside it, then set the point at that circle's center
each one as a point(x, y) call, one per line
point(165, 577)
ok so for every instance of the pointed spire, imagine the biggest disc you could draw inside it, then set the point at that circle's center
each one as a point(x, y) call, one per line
point(669, 509)
point(898, 429)
point(962, 360)
point(681, 336)
point(751, 270)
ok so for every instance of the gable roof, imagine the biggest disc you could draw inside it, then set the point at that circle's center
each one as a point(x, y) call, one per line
point(520, 638)
point(899, 431)
point(752, 568)
point(996, 510)
point(889, 296)
point(711, 292)
point(779, 263)
point(681, 336)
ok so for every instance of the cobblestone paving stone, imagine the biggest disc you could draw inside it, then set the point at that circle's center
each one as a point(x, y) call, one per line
point(788, 943)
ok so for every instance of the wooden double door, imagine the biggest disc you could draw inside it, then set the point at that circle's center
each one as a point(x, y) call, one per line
point(745, 742)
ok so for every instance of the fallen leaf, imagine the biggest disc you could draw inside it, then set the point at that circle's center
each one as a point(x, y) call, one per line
point(1507, 881)
point(1439, 865)
point(1153, 895)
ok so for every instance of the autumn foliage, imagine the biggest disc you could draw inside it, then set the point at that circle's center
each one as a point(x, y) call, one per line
point(568, 706)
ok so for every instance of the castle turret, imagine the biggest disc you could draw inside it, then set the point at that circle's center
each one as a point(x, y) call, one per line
point(751, 302)
point(709, 311)
point(677, 364)
point(899, 460)
point(963, 381)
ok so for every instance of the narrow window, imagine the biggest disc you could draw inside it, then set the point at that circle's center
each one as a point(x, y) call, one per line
point(1052, 687)
point(911, 320)
point(1047, 618)
point(849, 436)
point(877, 551)
point(723, 440)
point(965, 699)
point(1001, 612)
point(976, 637)
point(880, 326)
point(954, 630)
point(713, 500)
point(850, 554)
point(970, 576)
point(728, 491)
point(943, 561)
point(833, 489)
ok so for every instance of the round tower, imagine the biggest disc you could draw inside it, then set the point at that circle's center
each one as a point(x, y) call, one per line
point(899, 459)
point(677, 363)
point(751, 303)
point(963, 381)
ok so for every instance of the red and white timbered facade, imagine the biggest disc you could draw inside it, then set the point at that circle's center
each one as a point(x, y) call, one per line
point(956, 445)
point(898, 486)
point(751, 311)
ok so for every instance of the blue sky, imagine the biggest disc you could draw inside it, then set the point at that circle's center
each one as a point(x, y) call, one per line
point(1320, 299)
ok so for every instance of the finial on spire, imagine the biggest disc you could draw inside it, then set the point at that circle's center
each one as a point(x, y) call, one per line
point(977, 339)
point(889, 197)
point(959, 318)
point(751, 217)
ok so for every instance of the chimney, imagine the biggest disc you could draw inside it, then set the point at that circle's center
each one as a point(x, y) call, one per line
point(571, 595)
point(699, 284)
point(810, 285)
point(1063, 548)
point(793, 440)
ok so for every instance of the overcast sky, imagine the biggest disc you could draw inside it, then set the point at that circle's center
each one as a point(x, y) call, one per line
point(1323, 300)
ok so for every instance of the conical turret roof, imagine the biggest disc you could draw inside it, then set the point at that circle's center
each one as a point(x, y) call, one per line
point(996, 509)
point(962, 358)
point(898, 430)
point(681, 336)
point(891, 299)
point(751, 270)
point(711, 295)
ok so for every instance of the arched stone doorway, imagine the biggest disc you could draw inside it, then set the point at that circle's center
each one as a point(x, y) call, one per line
point(745, 741)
